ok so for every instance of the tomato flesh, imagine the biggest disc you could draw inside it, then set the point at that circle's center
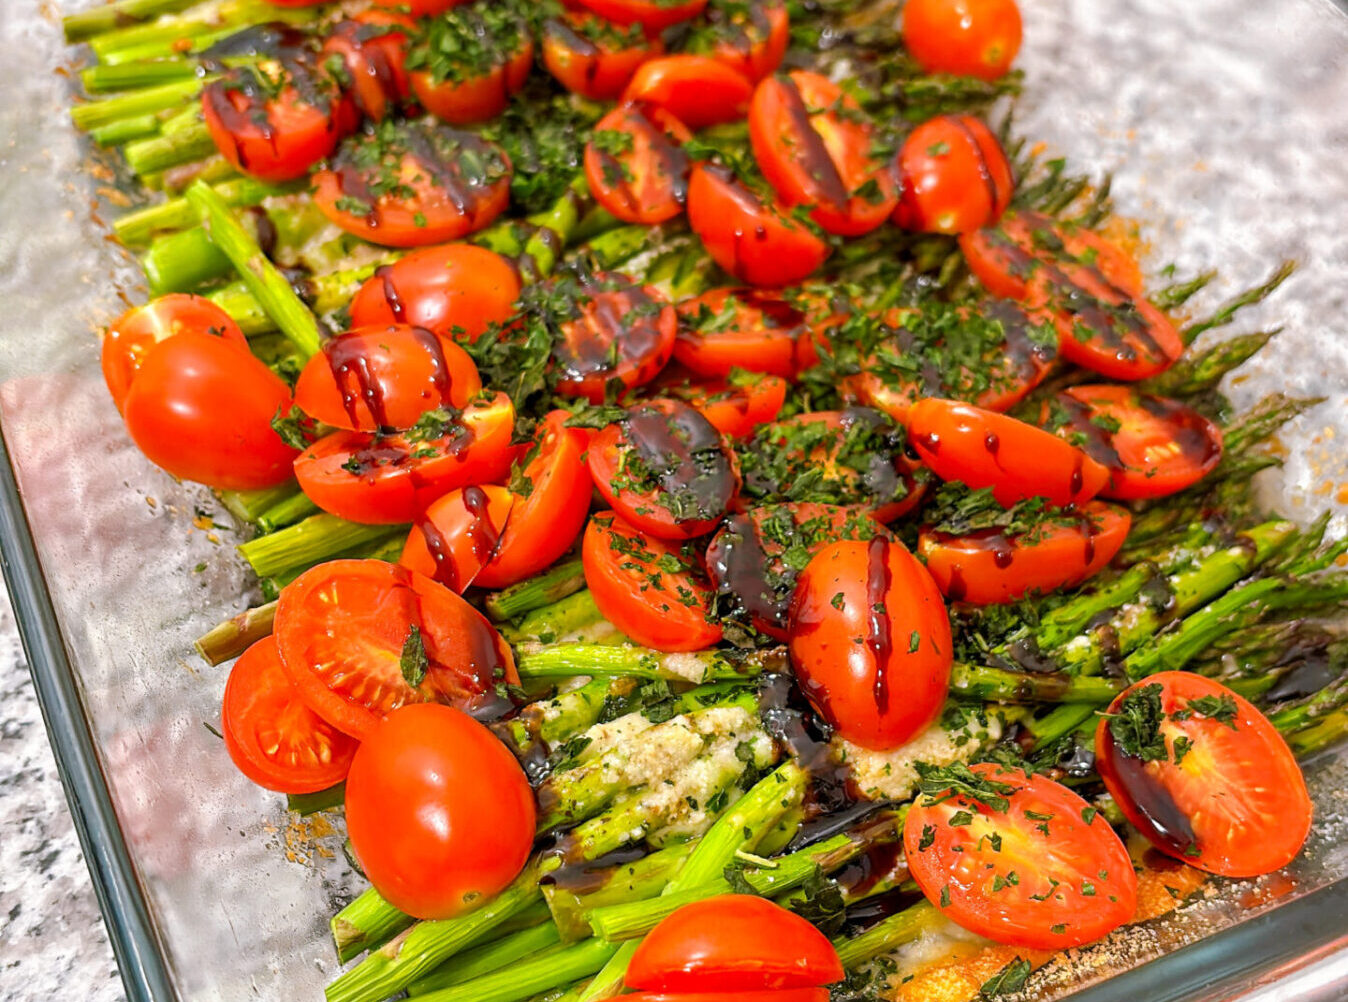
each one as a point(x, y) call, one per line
point(955, 177)
point(1235, 802)
point(647, 180)
point(458, 535)
point(343, 629)
point(274, 739)
point(1024, 862)
point(978, 38)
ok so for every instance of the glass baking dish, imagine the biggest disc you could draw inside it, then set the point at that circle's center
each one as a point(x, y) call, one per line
point(1225, 125)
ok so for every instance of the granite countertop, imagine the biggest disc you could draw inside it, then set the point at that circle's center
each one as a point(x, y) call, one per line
point(52, 940)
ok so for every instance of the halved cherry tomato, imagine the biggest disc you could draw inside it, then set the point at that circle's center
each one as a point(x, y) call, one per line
point(1005, 256)
point(654, 15)
point(201, 407)
point(766, 995)
point(1017, 460)
point(826, 307)
point(373, 47)
point(345, 628)
point(384, 480)
point(593, 57)
point(467, 64)
point(697, 90)
point(384, 378)
point(419, 8)
point(414, 183)
point(747, 329)
point(955, 176)
point(977, 38)
point(636, 587)
point(664, 469)
point(870, 641)
point(274, 739)
point(611, 328)
point(746, 559)
point(277, 118)
point(816, 148)
point(129, 338)
point(1203, 775)
point(749, 36)
point(991, 566)
point(458, 534)
point(991, 356)
point(850, 457)
point(737, 406)
point(1020, 859)
point(546, 521)
point(440, 815)
point(1152, 446)
point(733, 943)
point(756, 241)
point(457, 291)
point(635, 164)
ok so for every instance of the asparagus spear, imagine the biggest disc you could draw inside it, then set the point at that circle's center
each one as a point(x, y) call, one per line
point(311, 541)
point(85, 24)
point(552, 585)
point(572, 908)
point(236, 634)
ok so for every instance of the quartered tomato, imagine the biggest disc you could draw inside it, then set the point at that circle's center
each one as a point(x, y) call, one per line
point(816, 148)
point(456, 291)
point(635, 164)
point(854, 456)
point(749, 36)
point(747, 329)
point(991, 355)
point(414, 183)
point(610, 329)
point(991, 566)
point(870, 641)
point(440, 815)
point(1006, 256)
point(276, 118)
point(697, 90)
point(1017, 460)
point(546, 521)
point(384, 378)
point(372, 46)
point(665, 470)
point(977, 38)
point(747, 559)
point(1203, 775)
point(129, 338)
point(1152, 446)
point(754, 240)
point(201, 407)
point(593, 57)
point(733, 943)
point(274, 739)
point(955, 176)
point(385, 480)
point(466, 65)
point(646, 587)
point(458, 535)
point(653, 15)
point(1019, 859)
point(346, 628)
point(736, 406)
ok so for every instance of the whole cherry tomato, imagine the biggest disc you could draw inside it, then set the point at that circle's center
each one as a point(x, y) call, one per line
point(440, 815)
point(593, 57)
point(697, 90)
point(955, 176)
point(635, 164)
point(978, 38)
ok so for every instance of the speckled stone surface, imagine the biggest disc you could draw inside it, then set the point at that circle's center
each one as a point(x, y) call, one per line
point(52, 940)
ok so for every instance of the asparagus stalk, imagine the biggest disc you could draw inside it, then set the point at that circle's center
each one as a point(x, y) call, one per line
point(151, 156)
point(1227, 311)
point(85, 24)
point(640, 881)
point(236, 634)
point(568, 660)
point(886, 935)
point(311, 541)
point(552, 585)
point(528, 944)
point(183, 261)
point(562, 618)
point(286, 512)
point(980, 683)
point(125, 130)
point(136, 228)
point(322, 800)
point(1198, 372)
point(1176, 295)
point(248, 506)
point(523, 980)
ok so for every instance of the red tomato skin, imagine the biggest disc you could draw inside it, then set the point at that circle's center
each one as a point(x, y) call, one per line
point(958, 871)
point(757, 49)
point(988, 568)
point(201, 408)
point(958, 441)
point(457, 290)
point(955, 177)
point(477, 99)
point(1250, 761)
point(262, 717)
point(756, 244)
point(590, 68)
point(651, 616)
point(978, 38)
point(761, 338)
point(733, 943)
point(697, 90)
point(852, 660)
point(654, 182)
point(131, 336)
point(766, 995)
point(633, 322)
point(458, 534)
point(439, 813)
point(377, 65)
point(654, 15)
point(737, 411)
